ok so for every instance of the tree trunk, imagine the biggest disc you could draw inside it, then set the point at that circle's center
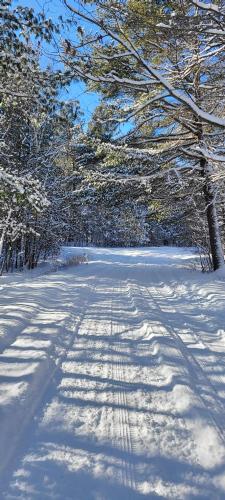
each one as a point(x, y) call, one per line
point(5, 231)
point(211, 213)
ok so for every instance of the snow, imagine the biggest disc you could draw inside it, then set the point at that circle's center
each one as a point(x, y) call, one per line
point(206, 6)
point(50, 265)
point(112, 379)
point(156, 74)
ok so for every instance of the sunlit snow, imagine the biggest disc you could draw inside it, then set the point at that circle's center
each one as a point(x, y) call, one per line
point(112, 379)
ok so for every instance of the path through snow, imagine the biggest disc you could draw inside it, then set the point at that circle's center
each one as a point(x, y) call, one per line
point(112, 381)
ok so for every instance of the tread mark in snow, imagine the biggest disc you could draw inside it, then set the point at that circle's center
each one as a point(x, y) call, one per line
point(197, 375)
point(122, 434)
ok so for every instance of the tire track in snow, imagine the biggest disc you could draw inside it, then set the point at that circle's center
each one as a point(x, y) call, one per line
point(30, 408)
point(122, 430)
point(200, 381)
point(206, 345)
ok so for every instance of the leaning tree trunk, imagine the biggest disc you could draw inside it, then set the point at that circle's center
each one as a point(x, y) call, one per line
point(212, 218)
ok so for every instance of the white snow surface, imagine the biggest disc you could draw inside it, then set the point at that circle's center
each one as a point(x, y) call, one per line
point(112, 379)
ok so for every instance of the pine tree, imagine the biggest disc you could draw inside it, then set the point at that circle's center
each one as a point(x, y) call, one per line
point(161, 60)
point(36, 129)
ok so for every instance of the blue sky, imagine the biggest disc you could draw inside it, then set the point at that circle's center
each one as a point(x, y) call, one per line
point(53, 9)
point(77, 90)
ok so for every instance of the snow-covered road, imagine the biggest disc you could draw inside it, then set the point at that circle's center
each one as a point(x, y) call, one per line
point(112, 380)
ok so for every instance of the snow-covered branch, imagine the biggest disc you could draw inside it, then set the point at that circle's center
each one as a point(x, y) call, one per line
point(208, 6)
point(156, 74)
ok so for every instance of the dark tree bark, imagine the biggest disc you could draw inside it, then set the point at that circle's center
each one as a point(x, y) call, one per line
point(212, 218)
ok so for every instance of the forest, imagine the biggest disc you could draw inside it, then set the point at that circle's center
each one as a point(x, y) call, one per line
point(147, 169)
point(112, 239)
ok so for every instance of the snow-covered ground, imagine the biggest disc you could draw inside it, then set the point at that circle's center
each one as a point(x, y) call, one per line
point(112, 380)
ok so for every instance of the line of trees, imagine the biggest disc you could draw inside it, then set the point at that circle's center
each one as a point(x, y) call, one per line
point(149, 169)
point(36, 129)
point(159, 66)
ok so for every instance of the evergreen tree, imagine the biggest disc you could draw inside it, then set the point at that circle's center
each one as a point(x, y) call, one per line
point(161, 60)
point(36, 129)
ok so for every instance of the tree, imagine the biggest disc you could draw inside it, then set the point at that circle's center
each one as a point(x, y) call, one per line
point(36, 130)
point(164, 60)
